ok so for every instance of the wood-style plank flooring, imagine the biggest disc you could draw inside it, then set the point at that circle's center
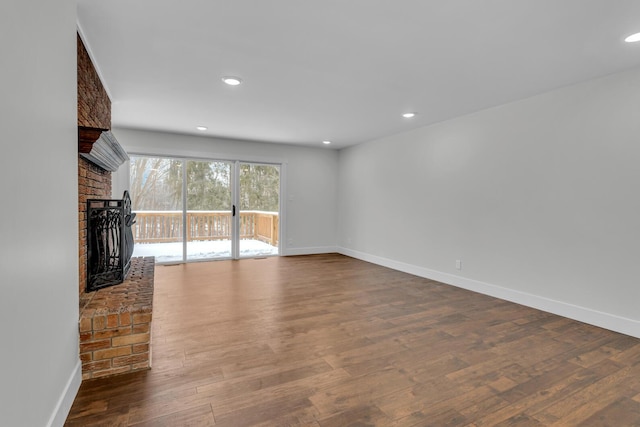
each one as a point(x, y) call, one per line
point(327, 340)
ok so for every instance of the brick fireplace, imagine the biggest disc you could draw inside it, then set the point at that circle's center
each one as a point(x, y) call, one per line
point(93, 183)
point(115, 322)
point(94, 110)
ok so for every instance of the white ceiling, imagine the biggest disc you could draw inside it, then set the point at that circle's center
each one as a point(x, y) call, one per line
point(343, 70)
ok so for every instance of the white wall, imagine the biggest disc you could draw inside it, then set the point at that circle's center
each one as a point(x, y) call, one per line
point(311, 179)
point(538, 198)
point(39, 365)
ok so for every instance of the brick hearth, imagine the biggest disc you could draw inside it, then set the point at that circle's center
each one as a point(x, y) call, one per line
point(115, 324)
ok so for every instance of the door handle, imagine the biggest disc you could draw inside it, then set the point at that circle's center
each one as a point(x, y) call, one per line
point(233, 210)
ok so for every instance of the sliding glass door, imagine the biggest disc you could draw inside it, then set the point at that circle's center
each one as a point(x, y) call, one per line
point(209, 204)
point(259, 201)
point(189, 210)
point(155, 187)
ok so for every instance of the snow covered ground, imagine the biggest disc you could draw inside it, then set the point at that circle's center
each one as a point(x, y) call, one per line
point(172, 252)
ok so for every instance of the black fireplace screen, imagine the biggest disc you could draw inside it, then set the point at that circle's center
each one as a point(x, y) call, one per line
point(109, 240)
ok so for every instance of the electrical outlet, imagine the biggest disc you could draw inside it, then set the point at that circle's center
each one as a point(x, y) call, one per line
point(458, 264)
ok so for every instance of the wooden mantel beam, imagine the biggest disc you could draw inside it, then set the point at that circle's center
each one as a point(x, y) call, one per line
point(87, 136)
point(100, 146)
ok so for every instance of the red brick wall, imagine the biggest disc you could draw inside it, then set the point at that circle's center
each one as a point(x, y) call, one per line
point(94, 110)
point(94, 105)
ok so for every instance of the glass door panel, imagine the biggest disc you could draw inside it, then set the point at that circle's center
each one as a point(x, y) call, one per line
point(156, 198)
point(259, 202)
point(208, 215)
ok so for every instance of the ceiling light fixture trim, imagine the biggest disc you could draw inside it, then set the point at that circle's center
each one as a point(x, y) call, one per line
point(409, 115)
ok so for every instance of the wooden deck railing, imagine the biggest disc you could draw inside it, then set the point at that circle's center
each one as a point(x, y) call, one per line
point(166, 226)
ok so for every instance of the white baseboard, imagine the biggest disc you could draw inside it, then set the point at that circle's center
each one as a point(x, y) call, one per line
point(593, 317)
point(69, 393)
point(310, 251)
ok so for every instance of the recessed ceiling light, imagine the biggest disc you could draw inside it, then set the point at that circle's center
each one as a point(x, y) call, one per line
point(326, 142)
point(633, 38)
point(231, 80)
point(202, 128)
point(409, 115)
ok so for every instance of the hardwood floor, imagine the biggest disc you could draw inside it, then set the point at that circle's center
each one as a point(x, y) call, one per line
point(327, 340)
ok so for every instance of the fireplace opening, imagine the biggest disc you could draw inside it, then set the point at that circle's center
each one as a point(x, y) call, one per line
point(109, 240)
